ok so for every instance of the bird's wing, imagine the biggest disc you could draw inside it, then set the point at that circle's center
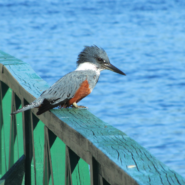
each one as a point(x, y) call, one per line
point(66, 87)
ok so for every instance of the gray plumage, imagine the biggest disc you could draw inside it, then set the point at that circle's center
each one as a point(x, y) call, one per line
point(64, 89)
point(90, 62)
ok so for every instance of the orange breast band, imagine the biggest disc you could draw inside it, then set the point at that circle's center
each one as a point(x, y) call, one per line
point(81, 93)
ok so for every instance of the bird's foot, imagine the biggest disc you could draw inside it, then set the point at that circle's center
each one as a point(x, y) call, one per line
point(78, 106)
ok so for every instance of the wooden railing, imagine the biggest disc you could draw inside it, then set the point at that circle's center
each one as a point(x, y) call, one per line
point(65, 146)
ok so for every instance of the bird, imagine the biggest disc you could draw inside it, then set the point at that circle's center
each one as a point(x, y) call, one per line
point(76, 85)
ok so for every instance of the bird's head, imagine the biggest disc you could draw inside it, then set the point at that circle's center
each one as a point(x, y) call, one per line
point(98, 57)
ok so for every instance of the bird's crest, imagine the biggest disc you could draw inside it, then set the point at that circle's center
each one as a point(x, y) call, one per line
point(91, 52)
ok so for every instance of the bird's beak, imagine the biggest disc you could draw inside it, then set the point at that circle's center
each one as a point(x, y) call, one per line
point(114, 69)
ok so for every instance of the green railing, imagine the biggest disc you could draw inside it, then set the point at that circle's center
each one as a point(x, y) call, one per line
point(65, 146)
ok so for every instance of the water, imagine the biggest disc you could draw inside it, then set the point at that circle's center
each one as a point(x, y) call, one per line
point(143, 38)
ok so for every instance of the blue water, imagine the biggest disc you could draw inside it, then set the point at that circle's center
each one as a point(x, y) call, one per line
point(145, 39)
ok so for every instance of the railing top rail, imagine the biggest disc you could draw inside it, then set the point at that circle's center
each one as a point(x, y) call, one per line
point(122, 160)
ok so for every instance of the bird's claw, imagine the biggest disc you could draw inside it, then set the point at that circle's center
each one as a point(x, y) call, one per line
point(80, 106)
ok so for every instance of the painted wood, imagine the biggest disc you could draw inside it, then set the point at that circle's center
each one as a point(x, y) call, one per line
point(6, 104)
point(46, 161)
point(105, 182)
point(3, 167)
point(48, 173)
point(19, 129)
point(19, 126)
point(28, 150)
point(79, 169)
point(68, 179)
point(15, 174)
point(16, 149)
point(13, 146)
point(2, 182)
point(9, 152)
point(57, 154)
point(38, 149)
point(118, 147)
point(120, 159)
point(96, 178)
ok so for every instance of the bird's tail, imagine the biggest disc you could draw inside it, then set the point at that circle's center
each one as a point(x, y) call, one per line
point(27, 107)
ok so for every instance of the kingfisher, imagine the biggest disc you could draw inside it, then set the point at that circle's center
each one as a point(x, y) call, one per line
point(76, 85)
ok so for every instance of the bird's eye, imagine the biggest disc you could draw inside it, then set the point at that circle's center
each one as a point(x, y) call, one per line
point(100, 60)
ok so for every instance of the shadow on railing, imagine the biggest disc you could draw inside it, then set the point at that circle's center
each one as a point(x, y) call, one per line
point(66, 146)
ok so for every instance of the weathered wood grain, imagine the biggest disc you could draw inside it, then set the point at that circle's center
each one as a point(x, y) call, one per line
point(120, 159)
